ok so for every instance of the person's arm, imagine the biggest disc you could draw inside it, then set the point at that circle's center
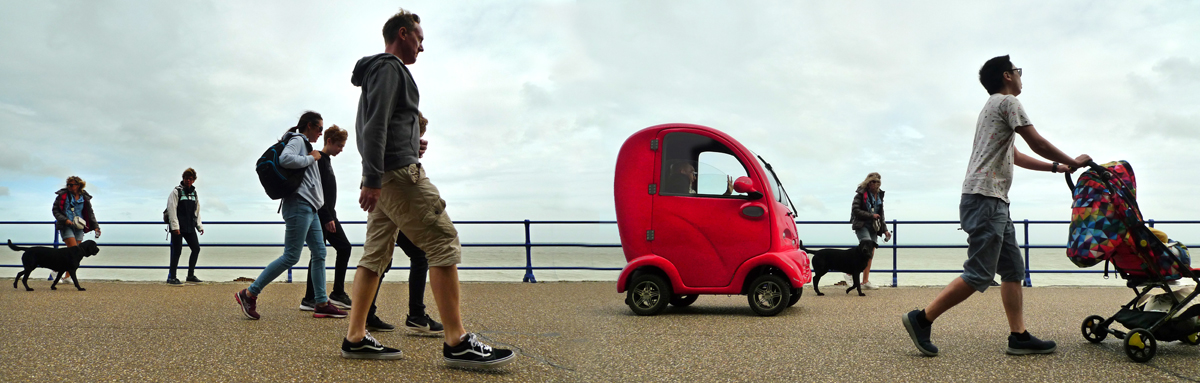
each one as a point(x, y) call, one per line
point(294, 156)
point(172, 214)
point(1043, 148)
point(199, 224)
point(382, 85)
point(90, 216)
point(857, 210)
point(56, 208)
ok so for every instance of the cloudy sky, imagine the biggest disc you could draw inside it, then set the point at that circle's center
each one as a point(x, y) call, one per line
point(530, 101)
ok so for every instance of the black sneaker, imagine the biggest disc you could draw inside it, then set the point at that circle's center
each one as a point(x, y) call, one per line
point(471, 353)
point(1031, 346)
point(340, 299)
point(423, 325)
point(193, 279)
point(308, 304)
point(376, 324)
point(368, 348)
point(174, 282)
point(919, 335)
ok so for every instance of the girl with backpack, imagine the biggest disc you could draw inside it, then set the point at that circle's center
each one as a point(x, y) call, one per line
point(183, 217)
point(302, 224)
point(73, 215)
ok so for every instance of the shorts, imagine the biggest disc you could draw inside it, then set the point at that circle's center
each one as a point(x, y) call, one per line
point(991, 242)
point(410, 203)
point(866, 233)
point(68, 231)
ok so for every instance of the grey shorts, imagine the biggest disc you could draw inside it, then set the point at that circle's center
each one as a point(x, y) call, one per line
point(865, 233)
point(991, 242)
point(67, 231)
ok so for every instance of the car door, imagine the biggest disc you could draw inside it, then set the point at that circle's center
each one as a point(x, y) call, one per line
point(697, 222)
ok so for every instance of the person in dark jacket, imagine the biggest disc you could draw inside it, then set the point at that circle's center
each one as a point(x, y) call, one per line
point(73, 214)
point(867, 220)
point(183, 217)
point(331, 227)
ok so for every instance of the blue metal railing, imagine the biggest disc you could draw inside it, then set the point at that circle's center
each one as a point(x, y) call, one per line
point(529, 245)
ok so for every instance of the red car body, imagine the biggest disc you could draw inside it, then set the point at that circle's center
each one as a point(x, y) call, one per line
point(702, 243)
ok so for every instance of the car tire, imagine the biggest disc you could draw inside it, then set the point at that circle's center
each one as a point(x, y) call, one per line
point(795, 296)
point(648, 294)
point(769, 294)
point(684, 300)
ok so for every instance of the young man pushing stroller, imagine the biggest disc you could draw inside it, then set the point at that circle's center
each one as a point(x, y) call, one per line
point(983, 211)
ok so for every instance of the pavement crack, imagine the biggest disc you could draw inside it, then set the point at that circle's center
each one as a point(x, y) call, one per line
point(522, 351)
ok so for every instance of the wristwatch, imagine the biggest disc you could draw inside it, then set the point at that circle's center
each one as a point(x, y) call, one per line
point(1054, 167)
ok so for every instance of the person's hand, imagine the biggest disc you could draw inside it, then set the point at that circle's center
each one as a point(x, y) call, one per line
point(729, 185)
point(330, 227)
point(97, 233)
point(316, 155)
point(1081, 161)
point(201, 231)
point(875, 216)
point(368, 197)
point(887, 236)
point(424, 145)
point(176, 232)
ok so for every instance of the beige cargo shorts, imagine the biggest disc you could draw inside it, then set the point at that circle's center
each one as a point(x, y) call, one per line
point(410, 203)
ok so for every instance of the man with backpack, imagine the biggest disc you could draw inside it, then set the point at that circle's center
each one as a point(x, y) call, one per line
point(400, 198)
point(295, 159)
point(983, 211)
point(183, 218)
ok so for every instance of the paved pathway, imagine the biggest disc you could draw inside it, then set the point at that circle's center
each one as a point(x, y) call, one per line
point(568, 331)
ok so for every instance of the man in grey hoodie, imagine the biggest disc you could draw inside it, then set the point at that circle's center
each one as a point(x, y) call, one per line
point(400, 198)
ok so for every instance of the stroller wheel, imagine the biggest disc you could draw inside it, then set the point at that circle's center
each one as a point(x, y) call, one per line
point(1140, 345)
point(1091, 329)
point(1193, 339)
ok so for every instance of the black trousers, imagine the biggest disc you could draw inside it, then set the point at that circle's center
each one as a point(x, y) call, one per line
point(418, 270)
point(177, 250)
point(341, 245)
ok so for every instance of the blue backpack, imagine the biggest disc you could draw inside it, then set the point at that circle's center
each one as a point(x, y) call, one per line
point(278, 181)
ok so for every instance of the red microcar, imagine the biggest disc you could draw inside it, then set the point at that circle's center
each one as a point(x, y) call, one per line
point(698, 213)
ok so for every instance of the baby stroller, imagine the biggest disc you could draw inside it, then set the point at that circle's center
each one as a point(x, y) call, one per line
point(1107, 226)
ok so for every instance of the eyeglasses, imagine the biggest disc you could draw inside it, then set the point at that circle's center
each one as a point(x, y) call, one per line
point(1018, 71)
point(72, 184)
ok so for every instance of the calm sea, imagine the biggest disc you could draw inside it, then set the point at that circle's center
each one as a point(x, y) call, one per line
point(1039, 259)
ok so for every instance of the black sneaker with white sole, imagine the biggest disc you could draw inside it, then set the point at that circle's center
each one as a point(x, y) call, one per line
point(378, 325)
point(423, 325)
point(340, 299)
point(471, 353)
point(368, 348)
point(308, 304)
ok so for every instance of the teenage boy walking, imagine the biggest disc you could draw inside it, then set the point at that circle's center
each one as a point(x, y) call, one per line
point(400, 198)
point(984, 215)
point(331, 227)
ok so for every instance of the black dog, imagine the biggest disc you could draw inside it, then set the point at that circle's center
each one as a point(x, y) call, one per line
point(60, 260)
point(850, 261)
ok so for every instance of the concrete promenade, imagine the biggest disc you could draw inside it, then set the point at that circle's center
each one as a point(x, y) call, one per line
point(565, 331)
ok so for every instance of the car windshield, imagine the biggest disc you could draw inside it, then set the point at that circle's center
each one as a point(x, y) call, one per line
point(776, 187)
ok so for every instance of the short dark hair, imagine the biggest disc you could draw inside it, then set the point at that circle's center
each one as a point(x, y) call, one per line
point(307, 120)
point(991, 75)
point(402, 19)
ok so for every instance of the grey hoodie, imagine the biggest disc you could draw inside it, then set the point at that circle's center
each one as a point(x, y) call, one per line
point(294, 157)
point(387, 131)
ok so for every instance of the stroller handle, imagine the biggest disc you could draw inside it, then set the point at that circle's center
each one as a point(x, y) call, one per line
point(1091, 164)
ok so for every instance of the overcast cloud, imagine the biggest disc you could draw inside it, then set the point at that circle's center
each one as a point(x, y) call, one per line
point(530, 101)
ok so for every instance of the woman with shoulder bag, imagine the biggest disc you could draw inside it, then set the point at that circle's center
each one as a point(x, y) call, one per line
point(867, 220)
point(73, 215)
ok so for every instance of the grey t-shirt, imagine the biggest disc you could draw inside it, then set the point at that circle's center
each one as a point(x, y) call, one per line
point(990, 172)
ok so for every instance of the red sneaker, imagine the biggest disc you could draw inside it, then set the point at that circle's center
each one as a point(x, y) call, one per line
point(247, 304)
point(328, 311)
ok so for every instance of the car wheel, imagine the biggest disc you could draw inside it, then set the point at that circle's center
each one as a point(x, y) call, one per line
point(795, 296)
point(649, 295)
point(684, 300)
point(1140, 345)
point(1091, 330)
point(769, 294)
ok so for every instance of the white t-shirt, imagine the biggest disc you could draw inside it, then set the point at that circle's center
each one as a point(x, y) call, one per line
point(990, 171)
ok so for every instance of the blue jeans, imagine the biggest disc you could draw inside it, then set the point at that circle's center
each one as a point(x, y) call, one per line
point(991, 242)
point(302, 225)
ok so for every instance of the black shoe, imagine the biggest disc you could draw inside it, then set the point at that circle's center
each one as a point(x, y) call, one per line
point(423, 325)
point(193, 279)
point(368, 348)
point(174, 282)
point(376, 324)
point(308, 304)
point(919, 335)
point(340, 299)
point(471, 353)
point(1031, 346)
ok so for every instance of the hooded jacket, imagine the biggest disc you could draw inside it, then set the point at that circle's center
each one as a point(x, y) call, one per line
point(179, 204)
point(859, 216)
point(60, 210)
point(387, 129)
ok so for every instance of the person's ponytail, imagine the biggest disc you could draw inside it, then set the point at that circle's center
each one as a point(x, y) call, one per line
point(307, 120)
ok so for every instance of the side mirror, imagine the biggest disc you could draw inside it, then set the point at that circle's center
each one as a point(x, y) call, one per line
point(745, 185)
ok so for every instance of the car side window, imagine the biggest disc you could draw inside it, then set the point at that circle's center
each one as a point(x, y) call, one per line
point(696, 165)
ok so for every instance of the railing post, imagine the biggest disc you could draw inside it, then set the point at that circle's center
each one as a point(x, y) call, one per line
point(1028, 281)
point(528, 257)
point(1151, 222)
point(289, 275)
point(895, 251)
